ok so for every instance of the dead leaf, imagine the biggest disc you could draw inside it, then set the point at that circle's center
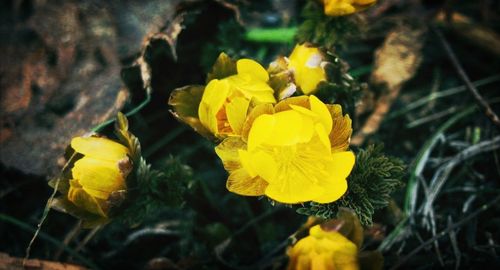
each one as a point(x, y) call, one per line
point(12, 263)
point(396, 61)
point(60, 75)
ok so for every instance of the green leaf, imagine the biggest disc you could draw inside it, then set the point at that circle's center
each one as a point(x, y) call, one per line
point(223, 67)
point(185, 102)
point(90, 220)
point(126, 138)
point(156, 190)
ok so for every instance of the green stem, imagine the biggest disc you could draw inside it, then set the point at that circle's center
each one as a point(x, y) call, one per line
point(130, 113)
point(48, 238)
point(272, 35)
point(164, 141)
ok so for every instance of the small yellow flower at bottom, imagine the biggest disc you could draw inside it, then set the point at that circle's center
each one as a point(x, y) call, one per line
point(293, 152)
point(101, 171)
point(323, 250)
point(346, 7)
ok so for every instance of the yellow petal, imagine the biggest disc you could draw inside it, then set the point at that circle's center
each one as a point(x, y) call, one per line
point(264, 165)
point(304, 263)
point(251, 88)
point(323, 136)
point(214, 97)
point(98, 178)
point(246, 162)
point(280, 129)
point(236, 111)
point(322, 261)
point(336, 185)
point(305, 111)
point(343, 162)
point(227, 151)
point(321, 109)
point(310, 79)
point(100, 148)
point(364, 2)
point(334, 8)
point(334, 188)
point(252, 115)
point(298, 189)
point(249, 66)
point(240, 182)
point(341, 129)
point(82, 200)
point(284, 105)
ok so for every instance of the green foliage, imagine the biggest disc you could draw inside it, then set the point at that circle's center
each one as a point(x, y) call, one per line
point(148, 191)
point(340, 88)
point(127, 138)
point(155, 190)
point(373, 179)
point(223, 67)
point(323, 30)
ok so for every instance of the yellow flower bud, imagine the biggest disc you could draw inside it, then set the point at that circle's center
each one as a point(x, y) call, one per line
point(225, 103)
point(101, 171)
point(345, 7)
point(323, 250)
point(305, 64)
point(293, 152)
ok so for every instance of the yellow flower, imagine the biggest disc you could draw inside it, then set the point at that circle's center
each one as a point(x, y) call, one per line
point(345, 7)
point(224, 105)
point(323, 250)
point(293, 152)
point(305, 64)
point(101, 171)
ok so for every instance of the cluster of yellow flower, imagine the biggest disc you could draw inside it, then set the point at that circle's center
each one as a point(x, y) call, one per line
point(290, 149)
point(276, 141)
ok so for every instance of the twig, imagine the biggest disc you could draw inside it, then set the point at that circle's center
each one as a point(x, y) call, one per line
point(47, 238)
point(446, 231)
point(461, 72)
point(47, 207)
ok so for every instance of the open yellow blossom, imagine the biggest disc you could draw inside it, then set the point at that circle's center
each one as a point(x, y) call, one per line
point(293, 152)
point(323, 250)
point(305, 63)
point(101, 171)
point(345, 7)
point(225, 103)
